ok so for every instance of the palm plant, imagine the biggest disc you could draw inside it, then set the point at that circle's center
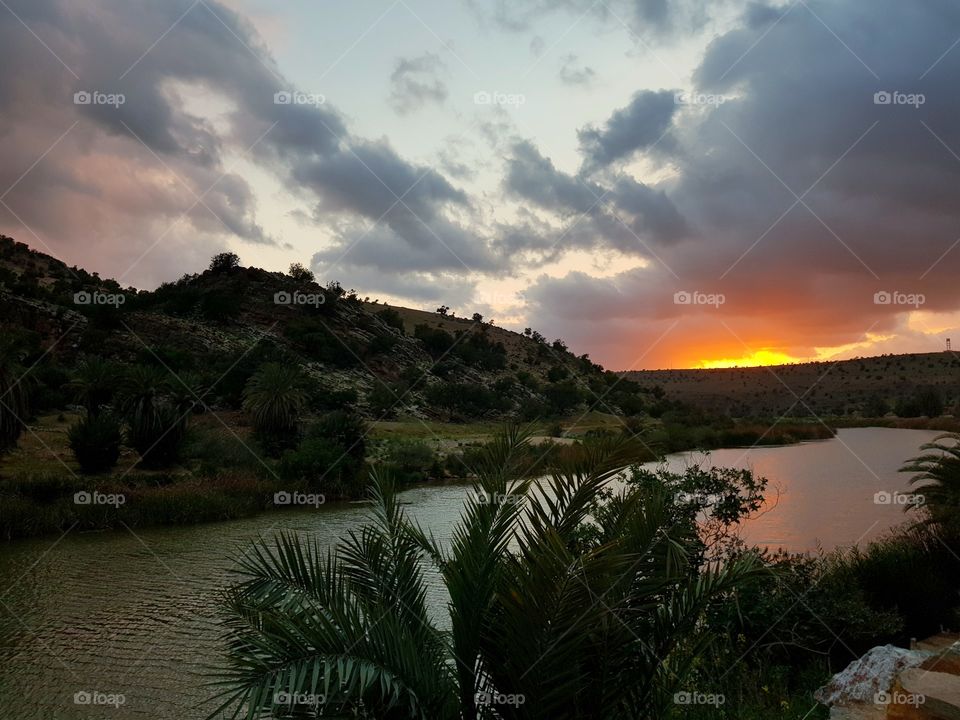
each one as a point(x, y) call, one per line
point(94, 384)
point(937, 479)
point(14, 396)
point(275, 396)
point(157, 425)
point(545, 620)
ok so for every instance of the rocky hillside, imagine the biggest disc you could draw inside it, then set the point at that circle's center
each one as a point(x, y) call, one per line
point(219, 326)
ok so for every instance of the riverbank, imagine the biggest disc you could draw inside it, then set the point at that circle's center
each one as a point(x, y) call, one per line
point(95, 604)
point(223, 474)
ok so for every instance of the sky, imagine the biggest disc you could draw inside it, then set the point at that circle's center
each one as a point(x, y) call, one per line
point(662, 184)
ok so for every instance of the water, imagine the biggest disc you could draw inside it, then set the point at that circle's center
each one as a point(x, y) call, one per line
point(134, 614)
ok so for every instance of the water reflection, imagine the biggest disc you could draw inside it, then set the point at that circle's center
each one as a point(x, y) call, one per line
point(135, 615)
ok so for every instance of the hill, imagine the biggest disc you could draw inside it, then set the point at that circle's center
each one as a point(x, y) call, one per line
point(911, 385)
point(221, 325)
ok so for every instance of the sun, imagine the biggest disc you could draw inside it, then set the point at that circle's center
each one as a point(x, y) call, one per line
point(760, 357)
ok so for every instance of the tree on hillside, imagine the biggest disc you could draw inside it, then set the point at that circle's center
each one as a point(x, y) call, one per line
point(443, 310)
point(224, 261)
point(300, 273)
point(94, 384)
point(275, 397)
point(156, 425)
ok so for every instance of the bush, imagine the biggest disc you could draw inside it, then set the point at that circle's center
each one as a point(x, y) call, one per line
point(464, 400)
point(222, 262)
point(157, 434)
point(95, 441)
point(412, 462)
point(324, 465)
point(300, 273)
point(344, 427)
point(392, 318)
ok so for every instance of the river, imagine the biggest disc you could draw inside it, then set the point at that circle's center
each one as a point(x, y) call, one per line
point(132, 615)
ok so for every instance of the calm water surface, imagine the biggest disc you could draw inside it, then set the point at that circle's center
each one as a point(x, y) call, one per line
point(133, 614)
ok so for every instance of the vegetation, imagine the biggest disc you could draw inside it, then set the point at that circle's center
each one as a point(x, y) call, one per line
point(352, 629)
point(275, 397)
point(937, 481)
point(95, 442)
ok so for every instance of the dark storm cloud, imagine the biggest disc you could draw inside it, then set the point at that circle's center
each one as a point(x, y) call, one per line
point(788, 109)
point(653, 19)
point(623, 214)
point(415, 82)
point(638, 126)
point(146, 175)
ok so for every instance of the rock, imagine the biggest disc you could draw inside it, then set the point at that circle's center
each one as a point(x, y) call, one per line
point(874, 673)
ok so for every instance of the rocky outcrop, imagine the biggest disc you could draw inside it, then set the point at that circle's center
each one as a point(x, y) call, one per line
point(892, 683)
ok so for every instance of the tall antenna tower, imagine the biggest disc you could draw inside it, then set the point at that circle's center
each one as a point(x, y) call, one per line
point(948, 344)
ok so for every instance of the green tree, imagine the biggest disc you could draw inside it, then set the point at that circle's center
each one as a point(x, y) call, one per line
point(157, 426)
point(275, 397)
point(222, 262)
point(95, 442)
point(300, 273)
point(352, 627)
point(94, 384)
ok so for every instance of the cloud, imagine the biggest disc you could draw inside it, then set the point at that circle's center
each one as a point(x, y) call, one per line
point(144, 188)
point(415, 82)
point(638, 126)
point(622, 214)
point(797, 119)
point(572, 73)
point(654, 20)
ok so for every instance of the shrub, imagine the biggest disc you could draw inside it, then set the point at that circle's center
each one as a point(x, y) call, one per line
point(324, 465)
point(330, 458)
point(274, 397)
point(156, 433)
point(95, 442)
point(412, 462)
point(464, 400)
point(222, 262)
point(392, 318)
point(344, 427)
point(300, 273)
